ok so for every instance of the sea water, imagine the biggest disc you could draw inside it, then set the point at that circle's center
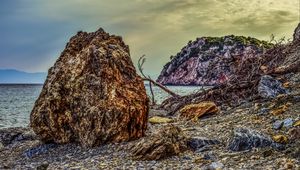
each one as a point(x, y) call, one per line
point(17, 101)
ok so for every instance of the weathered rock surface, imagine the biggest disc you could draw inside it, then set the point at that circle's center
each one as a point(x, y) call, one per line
point(210, 60)
point(296, 35)
point(270, 88)
point(169, 141)
point(195, 111)
point(246, 139)
point(92, 94)
point(196, 143)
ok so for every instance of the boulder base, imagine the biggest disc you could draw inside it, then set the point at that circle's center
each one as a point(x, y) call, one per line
point(168, 141)
point(92, 94)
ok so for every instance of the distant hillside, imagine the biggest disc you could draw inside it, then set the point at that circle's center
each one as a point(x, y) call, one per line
point(210, 60)
point(10, 76)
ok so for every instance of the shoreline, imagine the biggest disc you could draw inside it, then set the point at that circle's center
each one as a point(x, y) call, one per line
point(25, 151)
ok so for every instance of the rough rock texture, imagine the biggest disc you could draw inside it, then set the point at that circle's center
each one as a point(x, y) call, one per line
point(194, 111)
point(210, 60)
point(269, 87)
point(197, 143)
point(297, 33)
point(92, 94)
point(246, 139)
point(169, 141)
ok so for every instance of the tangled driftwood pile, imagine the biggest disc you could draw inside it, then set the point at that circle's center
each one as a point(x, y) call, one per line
point(243, 86)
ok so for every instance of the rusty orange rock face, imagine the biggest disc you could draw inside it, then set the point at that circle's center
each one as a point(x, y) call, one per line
point(194, 111)
point(92, 94)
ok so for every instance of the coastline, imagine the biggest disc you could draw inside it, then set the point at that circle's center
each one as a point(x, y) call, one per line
point(25, 151)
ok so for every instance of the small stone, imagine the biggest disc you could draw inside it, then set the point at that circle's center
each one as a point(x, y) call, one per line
point(201, 160)
point(297, 123)
point(194, 111)
point(186, 158)
point(264, 68)
point(288, 123)
point(278, 124)
point(294, 133)
point(280, 110)
point(257, 106)
point(216, 166)
point(255, 157)
point(286, 85)
point(280, 139)
point(267, 153)
point(168, 141)
point(159, 120)
point(269, 87)
point(289, 165)
point(263, 111)
point(42, 167)
point(1, 146)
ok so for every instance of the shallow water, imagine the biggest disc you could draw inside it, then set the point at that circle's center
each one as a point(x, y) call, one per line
point(16, 101)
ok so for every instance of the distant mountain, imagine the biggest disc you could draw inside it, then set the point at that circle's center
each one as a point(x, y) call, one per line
point(10, 76)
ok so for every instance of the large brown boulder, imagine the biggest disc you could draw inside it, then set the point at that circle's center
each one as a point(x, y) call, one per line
point(92, 94)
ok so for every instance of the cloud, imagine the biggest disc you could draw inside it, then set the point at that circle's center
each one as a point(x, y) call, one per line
point(36, 31)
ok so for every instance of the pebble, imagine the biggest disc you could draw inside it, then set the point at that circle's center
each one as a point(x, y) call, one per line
point(288, 123)
point(280, 139)
point(216, 165)
point(1, 146)
point(277, 124)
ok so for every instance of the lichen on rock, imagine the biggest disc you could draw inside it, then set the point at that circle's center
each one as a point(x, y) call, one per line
point(92, 94)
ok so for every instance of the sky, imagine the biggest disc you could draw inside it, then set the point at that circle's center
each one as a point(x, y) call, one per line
point(34, 32)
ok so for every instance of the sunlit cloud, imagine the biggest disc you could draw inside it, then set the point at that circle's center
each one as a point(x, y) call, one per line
point(36, 31)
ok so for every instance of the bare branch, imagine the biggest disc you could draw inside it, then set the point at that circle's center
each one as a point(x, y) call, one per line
point(141, 62)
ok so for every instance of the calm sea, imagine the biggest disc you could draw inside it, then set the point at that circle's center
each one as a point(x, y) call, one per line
point(16, 101)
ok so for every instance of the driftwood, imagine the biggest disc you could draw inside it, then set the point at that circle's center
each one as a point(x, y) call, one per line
point(141, 62)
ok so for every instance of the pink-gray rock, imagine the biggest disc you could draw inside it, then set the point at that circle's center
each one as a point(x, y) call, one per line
point(210, 60)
